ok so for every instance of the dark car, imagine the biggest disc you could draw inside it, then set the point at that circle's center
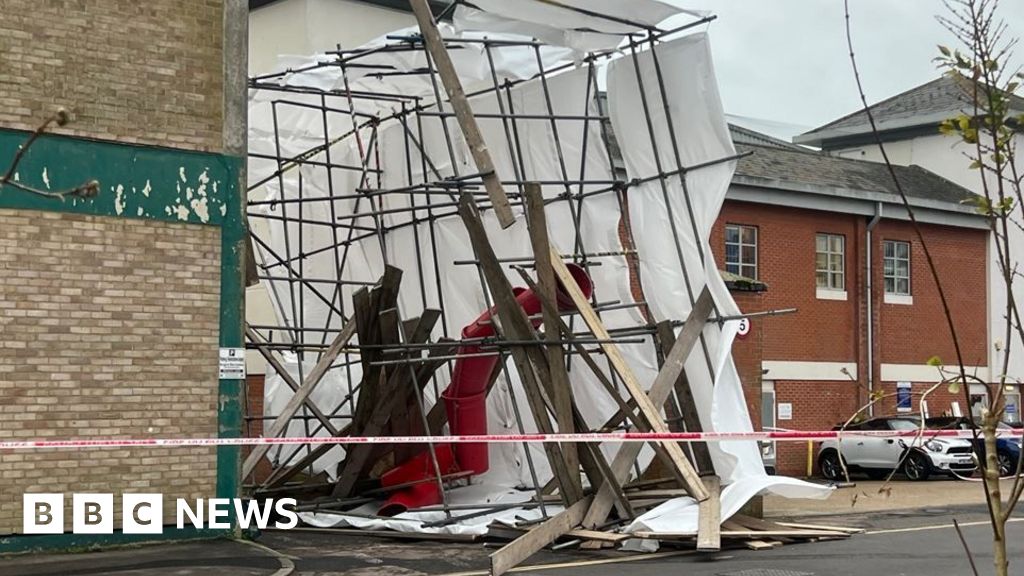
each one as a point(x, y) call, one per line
point(1007, 446)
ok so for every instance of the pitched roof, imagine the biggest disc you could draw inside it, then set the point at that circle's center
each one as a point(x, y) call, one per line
point(741, 135)
point(922, 106)
point(811, 168)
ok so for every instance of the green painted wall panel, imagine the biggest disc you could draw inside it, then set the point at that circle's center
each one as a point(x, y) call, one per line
point(135, 181)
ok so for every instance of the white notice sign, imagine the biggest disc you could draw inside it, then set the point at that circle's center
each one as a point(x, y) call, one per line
point(785, 411)
point(232, 363)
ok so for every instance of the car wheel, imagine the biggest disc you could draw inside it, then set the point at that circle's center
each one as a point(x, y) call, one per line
point(1007, 465)
point(830, 466)
point(917, 467)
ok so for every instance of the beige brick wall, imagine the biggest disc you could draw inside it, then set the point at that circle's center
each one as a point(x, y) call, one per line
point(108, 327)
point(131, 70)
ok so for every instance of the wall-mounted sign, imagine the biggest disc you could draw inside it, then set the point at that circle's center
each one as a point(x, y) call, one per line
point(743, 329)
point(904, 403)
point(785, 411)
point(232, 363)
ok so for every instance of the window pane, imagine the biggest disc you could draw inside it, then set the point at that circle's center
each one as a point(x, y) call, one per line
point(749, 235)
point(748, 255)
point(732, 267)
point(903, 250)
point(889, 250)
point(902, 268)
point(837, 281)
point(732, 234)
point(835, 264)
point(732, 252)
point(890, 267)
point(821, 261)
point(890, 285)
point(821, 243)
point(821, 278)
point(903, 286)
point(749, 272)
point(836, 243)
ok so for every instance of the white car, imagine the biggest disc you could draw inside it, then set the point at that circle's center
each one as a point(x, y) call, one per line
point(876, 456)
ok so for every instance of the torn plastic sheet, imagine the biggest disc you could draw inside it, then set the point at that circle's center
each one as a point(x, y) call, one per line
point(584, 25)
point(485, 496)
point(673, 278)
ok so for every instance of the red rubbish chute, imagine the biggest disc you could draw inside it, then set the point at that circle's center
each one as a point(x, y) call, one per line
point(465, 400)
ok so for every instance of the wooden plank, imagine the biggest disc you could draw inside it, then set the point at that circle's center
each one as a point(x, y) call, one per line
point(658, 393)
point(463, 112)
point(761, 544)
point(744, 534)
point(709, 517)
point(559, 388)
point(387, 395)
point(687, 406)
point(538, 537)
point(648, 409)
point(299, 398)
point(591, 457)
point(255, 338)
point(516, 325)
point(847, 529)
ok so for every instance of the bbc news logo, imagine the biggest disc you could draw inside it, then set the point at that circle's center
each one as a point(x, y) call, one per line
point(144, 513)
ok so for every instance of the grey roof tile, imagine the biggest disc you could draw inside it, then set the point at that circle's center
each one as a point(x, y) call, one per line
point(819, 169)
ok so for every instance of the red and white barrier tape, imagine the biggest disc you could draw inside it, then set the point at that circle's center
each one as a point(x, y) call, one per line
point(779, 436)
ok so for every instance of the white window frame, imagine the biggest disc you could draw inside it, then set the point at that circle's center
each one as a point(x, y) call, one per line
point(830, 291)
point(737, 267)
point(895, 296)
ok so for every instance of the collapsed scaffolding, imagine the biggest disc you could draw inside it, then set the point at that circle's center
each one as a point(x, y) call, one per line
point(388, 221)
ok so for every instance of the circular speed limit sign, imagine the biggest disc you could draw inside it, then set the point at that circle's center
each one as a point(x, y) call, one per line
point(743, 329)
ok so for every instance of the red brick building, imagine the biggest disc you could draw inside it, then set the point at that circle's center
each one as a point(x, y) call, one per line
point(830, 237)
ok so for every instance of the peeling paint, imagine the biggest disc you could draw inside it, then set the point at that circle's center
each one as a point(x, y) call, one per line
point(181, 173)
point(202, 210)
point(140, 211)
point(46, 178)
point(17, 177)
point(119, 199)
point(167, 209)
point(223, 207)
point(181, 212)
point(188, 193)
point(147, 189)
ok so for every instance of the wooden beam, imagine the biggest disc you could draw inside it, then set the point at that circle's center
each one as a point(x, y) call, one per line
point(538, 537)
point(559, 388)
point(709, 517)
point(300, 395)
point(515, 324)
point(647, 406)
point(255, 338)
point(687, 406)
point(658, 393)
point(463, 112)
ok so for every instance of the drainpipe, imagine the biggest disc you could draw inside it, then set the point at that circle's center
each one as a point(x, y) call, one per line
point(870, 300)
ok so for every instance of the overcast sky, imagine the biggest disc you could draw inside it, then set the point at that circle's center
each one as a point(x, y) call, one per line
point(786, 61)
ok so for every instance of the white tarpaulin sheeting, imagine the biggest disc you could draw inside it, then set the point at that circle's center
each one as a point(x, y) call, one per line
point(534, 153)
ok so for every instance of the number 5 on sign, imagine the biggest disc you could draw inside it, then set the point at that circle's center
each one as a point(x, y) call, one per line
point(743, 329)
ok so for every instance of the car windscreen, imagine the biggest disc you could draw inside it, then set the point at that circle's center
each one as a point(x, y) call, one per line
point(904, 425)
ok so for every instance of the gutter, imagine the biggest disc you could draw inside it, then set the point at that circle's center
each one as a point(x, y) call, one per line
point(869, 296)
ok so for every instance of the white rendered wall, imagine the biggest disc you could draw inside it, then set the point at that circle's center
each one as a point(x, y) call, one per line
point(303, 27)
